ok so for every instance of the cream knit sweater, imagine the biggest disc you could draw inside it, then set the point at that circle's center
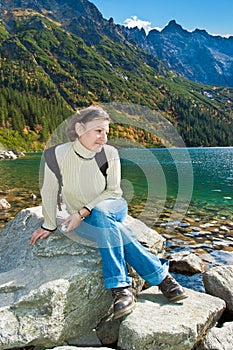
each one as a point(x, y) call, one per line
point(83, 182)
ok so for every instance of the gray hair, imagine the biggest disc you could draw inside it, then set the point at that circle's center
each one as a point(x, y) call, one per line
point(84, 116)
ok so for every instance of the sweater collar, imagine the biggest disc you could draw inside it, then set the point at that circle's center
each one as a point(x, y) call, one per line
point(82, 151)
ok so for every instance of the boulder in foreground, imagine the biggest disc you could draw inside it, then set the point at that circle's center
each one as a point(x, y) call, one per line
point(159, 325)
point(218, 281)
point(54, 290)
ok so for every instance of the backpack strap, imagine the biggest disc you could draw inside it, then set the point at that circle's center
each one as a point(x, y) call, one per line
point(51, 161)
point(102, 162)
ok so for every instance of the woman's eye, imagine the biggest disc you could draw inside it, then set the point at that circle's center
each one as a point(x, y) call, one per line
point(100, 131)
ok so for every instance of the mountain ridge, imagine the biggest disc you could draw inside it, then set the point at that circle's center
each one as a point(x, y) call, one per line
point(195, 55)
point(48, 71)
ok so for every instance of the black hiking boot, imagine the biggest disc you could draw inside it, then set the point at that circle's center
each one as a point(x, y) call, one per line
point(171, 289)
point(124, 301)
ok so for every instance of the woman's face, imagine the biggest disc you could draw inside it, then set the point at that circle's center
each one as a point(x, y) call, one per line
point(93, 135)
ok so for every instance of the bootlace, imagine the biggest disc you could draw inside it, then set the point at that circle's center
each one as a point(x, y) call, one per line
point(118, 292)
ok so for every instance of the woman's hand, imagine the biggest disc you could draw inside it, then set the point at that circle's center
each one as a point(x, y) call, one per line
point(72, 222)
point(40, 233)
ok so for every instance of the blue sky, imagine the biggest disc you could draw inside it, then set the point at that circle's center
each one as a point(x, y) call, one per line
point(215, 16)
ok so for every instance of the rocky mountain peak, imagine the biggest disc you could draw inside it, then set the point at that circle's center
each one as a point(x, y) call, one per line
point(63, 11)
point(80, 17)
point(202, 32)
point(173, 27)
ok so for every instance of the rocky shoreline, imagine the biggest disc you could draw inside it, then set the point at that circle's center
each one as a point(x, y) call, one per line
point(52, 296)
point(10, 154)
point(202, 228)
point(207, 233)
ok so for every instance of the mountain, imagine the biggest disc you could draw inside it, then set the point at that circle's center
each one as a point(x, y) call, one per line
point(194, 55)
point(79, 17)
point(56, 56)
point(197, 55)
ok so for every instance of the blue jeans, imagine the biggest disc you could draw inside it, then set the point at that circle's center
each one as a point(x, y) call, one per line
point(118, 246)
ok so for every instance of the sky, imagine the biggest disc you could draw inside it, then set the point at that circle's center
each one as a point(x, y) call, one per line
point(215, 16)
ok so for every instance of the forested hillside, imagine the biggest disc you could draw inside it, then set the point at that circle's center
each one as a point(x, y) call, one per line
point(48, 72)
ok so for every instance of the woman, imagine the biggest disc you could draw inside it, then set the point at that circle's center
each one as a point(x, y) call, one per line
point(97, 210)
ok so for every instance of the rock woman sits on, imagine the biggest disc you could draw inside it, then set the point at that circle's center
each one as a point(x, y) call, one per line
point(97, 210)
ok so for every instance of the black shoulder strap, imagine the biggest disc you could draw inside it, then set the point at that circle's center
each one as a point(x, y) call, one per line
point(51, 161)
point(102, 162)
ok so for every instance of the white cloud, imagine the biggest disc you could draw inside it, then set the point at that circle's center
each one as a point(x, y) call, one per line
point(158, 28)
point(134, 21)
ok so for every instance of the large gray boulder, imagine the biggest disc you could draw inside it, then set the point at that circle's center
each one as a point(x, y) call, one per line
point(218, 338)
point(159, 325)
point(54, 290)
point(218, 281)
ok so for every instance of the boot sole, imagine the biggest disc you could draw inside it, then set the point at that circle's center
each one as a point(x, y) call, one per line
point(177, 297)
point(126, 311)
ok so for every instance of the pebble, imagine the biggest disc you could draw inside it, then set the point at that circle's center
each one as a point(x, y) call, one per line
point(206, 225)
point(33, 196)
point(184, 224)
point(195, 228)
point(4, 204)
point(223, 228)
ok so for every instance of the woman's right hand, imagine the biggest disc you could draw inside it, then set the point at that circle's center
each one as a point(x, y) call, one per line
point(40, 233)
point(72, 222)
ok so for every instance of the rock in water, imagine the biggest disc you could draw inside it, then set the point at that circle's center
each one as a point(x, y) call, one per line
point(4, 204)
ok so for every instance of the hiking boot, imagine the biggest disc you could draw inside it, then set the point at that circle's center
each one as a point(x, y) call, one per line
point(124, 301)
point(171, 289)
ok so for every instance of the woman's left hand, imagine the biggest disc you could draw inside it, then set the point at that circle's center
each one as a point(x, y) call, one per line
point(40, 233)
point(72, 222)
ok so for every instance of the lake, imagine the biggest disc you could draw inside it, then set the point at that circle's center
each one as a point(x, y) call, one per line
point(205, 175)
point(200, 177)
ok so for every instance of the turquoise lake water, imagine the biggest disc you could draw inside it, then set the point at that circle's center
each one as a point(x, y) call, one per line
point(200, 176)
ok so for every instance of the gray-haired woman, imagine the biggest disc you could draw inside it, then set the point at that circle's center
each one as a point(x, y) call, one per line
point(97, 210)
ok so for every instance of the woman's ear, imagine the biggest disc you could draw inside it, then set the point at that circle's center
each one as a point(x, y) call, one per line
point(79, 129)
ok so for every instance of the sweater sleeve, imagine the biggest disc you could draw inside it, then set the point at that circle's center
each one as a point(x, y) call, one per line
point(113, 180)
point(49, 192)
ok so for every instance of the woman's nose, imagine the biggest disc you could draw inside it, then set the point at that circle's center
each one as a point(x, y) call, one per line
point(104, 136)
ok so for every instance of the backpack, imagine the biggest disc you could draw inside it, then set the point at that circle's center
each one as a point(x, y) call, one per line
point(51, 161)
